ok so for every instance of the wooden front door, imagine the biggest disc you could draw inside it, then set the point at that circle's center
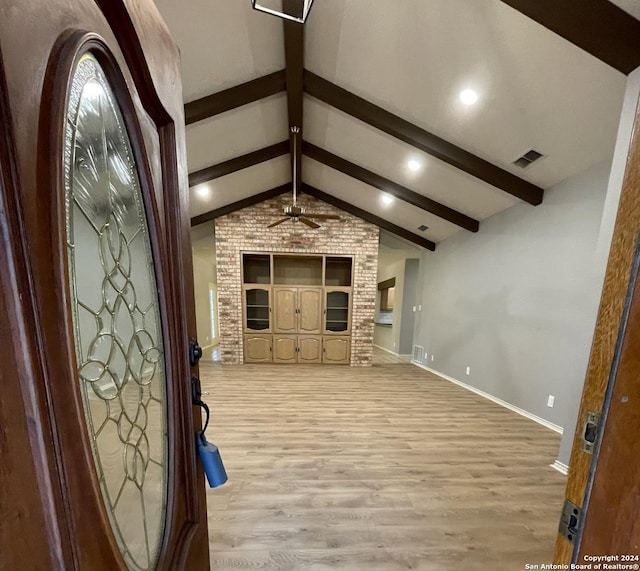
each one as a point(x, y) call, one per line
point(97, 430)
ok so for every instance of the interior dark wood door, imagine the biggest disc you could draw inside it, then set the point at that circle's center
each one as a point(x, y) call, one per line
point(611, 524)
point(97, 429)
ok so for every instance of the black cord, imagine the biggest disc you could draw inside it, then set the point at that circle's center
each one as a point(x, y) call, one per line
point(206, 410)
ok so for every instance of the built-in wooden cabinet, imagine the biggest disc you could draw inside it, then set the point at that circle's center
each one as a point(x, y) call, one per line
point(309, 349)
point(337, 310)
point(297, 310)
point(300, 303)
point(257, 349)
point(285, 348)
point(336, 350)
point(257, 309)
point(297, 348)
point(285, 309)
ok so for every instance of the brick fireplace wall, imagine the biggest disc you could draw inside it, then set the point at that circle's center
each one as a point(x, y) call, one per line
point(246, 230)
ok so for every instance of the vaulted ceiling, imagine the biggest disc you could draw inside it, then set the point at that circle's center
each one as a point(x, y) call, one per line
point(381, 86)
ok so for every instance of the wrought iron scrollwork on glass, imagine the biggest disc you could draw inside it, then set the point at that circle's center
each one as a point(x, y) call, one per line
point(116, 316)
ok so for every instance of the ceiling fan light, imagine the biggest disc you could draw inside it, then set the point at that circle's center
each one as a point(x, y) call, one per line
point(294, 10)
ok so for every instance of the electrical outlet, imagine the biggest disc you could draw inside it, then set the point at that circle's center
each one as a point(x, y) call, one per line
point(468, 370)
point(414, 309)
point(419, 308)
point(432, 357)
point(394, 344)
point(551, 401)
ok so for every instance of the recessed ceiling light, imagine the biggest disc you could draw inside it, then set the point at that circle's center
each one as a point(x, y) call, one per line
point(203, 191)
point(414, 165)
point(387, 199)
point(468, 96)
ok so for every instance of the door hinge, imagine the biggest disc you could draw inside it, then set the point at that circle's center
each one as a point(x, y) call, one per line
point(591, 430)
point(570, 521)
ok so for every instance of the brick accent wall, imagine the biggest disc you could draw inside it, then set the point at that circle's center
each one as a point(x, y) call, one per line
point(246, 230)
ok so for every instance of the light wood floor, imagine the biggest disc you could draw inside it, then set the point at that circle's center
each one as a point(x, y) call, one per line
point(377, 469)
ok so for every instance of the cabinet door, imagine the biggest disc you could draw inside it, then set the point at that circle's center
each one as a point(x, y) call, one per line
point(337, 310)
point(284, 309)
point(285, 349)
point(309, 310)
point(309, 349)
point(257, 310)
point(257, 348)
point(336, 350)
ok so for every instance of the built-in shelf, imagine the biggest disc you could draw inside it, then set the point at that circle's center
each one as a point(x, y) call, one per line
point(337, 271)
point(256, 268)
point(297, 308)
point(297, 270)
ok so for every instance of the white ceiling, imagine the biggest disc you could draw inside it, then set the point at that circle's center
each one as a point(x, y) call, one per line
point(412, 58)
point(222, 42)
point(237, 132)
point(383, 154)
point(368, 198)
point(536, 89)
point(240, 185)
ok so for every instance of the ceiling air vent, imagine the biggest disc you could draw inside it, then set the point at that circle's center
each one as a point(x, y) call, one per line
point(525, 160)
point(422, 228)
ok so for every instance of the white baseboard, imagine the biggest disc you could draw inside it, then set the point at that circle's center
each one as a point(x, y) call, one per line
point(392, 352)
point(560, 466)
point(501, 402)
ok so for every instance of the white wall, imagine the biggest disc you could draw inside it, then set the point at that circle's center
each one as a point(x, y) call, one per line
point(396, 264)
point(388, 336)
point(517, 302)
point(204, 273)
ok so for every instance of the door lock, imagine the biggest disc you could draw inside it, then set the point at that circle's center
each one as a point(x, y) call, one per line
point(195, 352)
point(590, 434)
point(570, 521)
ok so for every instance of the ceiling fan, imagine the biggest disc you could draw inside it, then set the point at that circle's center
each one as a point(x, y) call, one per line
point(294, 212)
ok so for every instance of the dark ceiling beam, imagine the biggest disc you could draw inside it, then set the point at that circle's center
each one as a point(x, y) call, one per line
point(383, 120)
point(234, 206)
point(239, 163)
point(233, 97)
point(599, 27)
point(381, 222)
point(294, 69)
point(386, 185)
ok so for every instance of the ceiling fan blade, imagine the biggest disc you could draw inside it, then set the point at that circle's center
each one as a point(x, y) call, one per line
point(309, 222)
point(323, 216)
point(278, 222)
